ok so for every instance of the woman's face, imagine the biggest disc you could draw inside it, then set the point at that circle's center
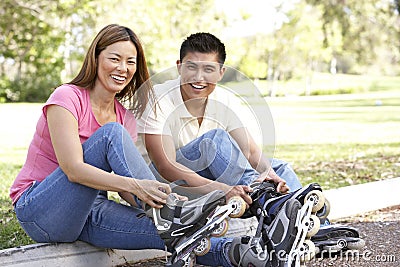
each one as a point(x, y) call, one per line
point(116, 66)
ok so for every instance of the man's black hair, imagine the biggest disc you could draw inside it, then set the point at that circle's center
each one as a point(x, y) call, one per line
point(203, 42)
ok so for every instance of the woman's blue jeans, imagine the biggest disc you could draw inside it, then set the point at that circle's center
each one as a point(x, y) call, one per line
point(216, 155)
point(57, 210)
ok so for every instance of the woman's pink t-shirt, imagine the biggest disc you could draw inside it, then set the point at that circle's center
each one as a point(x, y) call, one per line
point(41, 159)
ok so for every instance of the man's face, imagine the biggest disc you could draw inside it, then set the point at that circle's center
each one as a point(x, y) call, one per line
point(200, 73)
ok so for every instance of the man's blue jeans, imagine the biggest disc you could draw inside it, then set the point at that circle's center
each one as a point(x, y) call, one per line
point(57, 210)
point(216, 155)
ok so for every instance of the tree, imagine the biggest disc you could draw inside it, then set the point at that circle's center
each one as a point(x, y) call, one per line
point(293, 48)
point(32, 38)
point(163, 25)
point(367, 28)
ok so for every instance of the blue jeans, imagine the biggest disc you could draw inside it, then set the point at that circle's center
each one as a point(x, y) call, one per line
point(57, 210)
point(216, 155)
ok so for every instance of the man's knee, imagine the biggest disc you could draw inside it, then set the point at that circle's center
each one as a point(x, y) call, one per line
point(278, 163)
point(216, 133)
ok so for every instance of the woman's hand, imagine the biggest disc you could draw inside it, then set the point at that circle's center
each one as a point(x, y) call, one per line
point(151, 192)
point(241, 191)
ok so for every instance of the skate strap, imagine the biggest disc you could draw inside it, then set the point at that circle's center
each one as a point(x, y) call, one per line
point(178, 209)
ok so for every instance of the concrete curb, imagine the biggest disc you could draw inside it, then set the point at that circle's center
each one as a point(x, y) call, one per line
point(345, 202)
point(72, 254)
point(357, 199)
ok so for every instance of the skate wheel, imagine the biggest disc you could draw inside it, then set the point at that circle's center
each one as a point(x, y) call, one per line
point(190, 261)
point(313, 226)
point(317, 197)
point(203, 247)
point(307, 251)
point(239, 206)
point(221, 229)
point(324, 212)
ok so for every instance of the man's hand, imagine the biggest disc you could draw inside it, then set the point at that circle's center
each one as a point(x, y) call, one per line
point(271, 176)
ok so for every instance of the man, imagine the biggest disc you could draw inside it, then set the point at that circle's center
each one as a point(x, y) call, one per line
point(192, 109)
point(192, 131)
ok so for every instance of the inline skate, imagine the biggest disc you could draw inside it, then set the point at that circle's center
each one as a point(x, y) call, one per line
point(186, 226)
point(267, 203)
point(279, 244)
point(335, 238)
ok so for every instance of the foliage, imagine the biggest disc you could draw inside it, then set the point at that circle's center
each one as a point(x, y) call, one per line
point(323, 36)
point(43, 41)
point(33, 41)
point(334, 91)
point(163, 25)
point(365, 26)
point(288, 50)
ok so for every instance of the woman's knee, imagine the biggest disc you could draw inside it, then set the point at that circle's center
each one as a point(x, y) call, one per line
point(110, 131)
point(112, 127)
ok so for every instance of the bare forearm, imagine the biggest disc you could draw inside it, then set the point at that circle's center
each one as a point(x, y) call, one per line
point(96, 178)
point(151, 192)
point(260, 162)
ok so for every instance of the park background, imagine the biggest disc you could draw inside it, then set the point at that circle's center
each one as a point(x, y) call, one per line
point(329, 71)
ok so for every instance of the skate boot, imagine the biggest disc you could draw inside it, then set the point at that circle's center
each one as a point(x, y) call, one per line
point(335, 238)
point(185, 226)
point(265, 190)
point(267, 203)
point(281, 244)
point(266, 197)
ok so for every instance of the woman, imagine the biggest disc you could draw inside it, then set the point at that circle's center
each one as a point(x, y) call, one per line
point(83, 146)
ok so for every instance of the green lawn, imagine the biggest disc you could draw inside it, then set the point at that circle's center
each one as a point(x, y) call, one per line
point(340, 140)
point(337, 119)
point(336, 140)
point(18, 123)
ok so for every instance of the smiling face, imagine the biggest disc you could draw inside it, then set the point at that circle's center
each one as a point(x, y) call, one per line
point(200, 73)
point(116, 66)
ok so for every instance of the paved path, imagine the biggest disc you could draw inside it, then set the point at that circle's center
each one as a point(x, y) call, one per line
point(380, 229)
point(381, 232)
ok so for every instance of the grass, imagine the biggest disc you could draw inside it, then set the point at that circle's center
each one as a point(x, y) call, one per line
point(11, 233)
point(14, 141)
point(339, 140)
point(335, 140)
point(361, 118)
point(338, 165)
